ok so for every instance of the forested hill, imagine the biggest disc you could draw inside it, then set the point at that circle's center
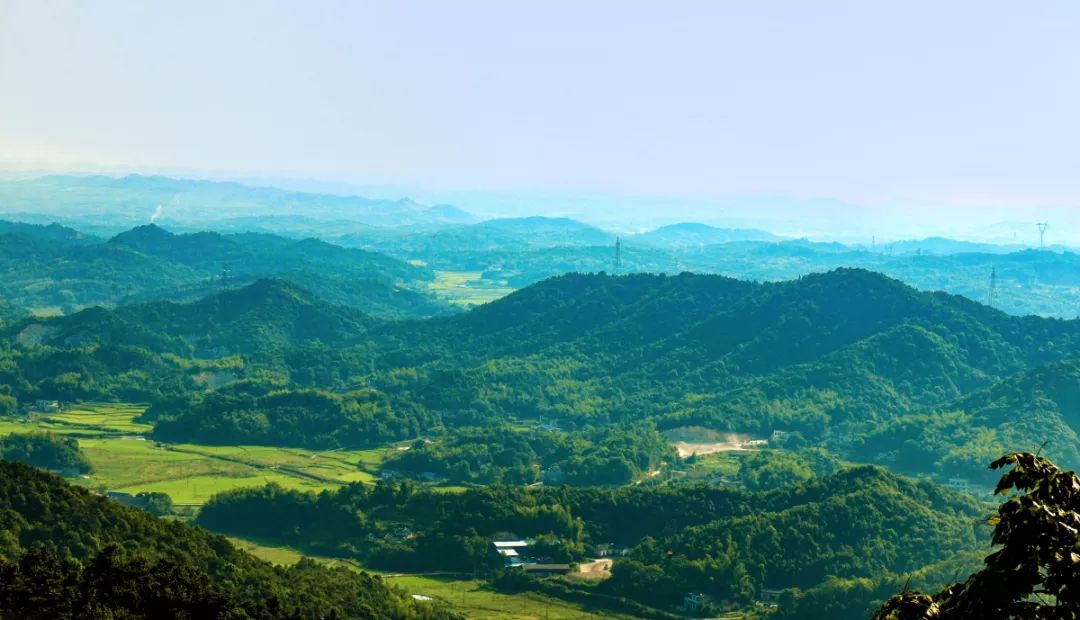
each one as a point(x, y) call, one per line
point(752, 328)
point(65, 552)
point(50, 268)
point(834, 358)
point(267, 315)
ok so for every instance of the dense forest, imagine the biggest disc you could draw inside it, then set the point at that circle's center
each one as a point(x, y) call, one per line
point(504, 455)
point(65, 551)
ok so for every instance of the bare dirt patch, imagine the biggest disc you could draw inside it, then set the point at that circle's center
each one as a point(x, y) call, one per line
point(595, 570)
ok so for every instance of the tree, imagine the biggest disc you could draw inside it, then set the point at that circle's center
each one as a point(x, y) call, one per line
point(1036, 570)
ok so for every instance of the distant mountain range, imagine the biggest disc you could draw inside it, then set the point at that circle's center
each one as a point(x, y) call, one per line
point(124, 201)
point(694, 234)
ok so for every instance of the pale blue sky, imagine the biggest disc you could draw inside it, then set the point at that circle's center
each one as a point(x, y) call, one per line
point(948, 104)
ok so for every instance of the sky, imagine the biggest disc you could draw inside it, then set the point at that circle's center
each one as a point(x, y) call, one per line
point(953, 112)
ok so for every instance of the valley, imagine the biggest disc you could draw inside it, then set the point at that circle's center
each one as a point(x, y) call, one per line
point(655, 443)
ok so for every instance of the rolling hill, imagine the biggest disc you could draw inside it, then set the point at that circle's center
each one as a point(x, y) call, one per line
point(693, 234)
point(50, 268)
point(138, 566)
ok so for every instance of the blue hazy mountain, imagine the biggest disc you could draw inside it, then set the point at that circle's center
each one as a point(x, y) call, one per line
point(132, 199)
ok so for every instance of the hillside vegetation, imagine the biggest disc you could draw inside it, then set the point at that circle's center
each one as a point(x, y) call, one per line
point(846, 360)
point(62, 548)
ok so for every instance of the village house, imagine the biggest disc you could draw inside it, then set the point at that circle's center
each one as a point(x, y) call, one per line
point(511, 551)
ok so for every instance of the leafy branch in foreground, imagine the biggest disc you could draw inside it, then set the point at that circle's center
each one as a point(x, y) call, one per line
point(1036, 571)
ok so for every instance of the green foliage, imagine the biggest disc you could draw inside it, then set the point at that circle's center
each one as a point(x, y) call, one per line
point(773, 469)
point(40, 511)
point(45, 450)
point(1032, 573)
point(503, 455)
point(41, 584)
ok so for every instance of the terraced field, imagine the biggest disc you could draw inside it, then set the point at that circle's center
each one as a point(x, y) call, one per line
point(125, 460)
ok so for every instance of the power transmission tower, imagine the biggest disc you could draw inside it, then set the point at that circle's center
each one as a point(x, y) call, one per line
point(992, 297)
point(1042, 226)
point(226, 273)
point(618, 253)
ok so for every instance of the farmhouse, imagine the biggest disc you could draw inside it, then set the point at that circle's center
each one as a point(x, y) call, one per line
point(512, 551)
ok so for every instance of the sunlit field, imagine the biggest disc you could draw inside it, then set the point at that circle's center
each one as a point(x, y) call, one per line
point(126, 461)
point(466, 288)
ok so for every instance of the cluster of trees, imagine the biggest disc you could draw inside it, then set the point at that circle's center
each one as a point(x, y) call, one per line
point(84, 552)
point(505, 455)
point(774, 469)
point(46, 450)
point(257, 413)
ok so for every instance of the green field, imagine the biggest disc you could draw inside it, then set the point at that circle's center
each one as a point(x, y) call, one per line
point(467, 288)
point(124, 460)
point(105, 417)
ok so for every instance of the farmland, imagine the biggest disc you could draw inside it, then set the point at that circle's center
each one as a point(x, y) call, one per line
point(125, 460)
point(466, 288)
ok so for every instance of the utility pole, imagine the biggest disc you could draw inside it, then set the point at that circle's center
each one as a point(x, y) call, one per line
point(1042, 226)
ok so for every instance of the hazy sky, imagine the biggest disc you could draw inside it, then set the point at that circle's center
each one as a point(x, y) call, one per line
point(941, 104)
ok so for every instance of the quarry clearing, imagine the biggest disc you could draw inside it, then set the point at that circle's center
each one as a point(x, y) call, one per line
point(700, 441)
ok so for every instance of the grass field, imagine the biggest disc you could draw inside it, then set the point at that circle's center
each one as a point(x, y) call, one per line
point(466, 288)
point(108, 417)
point(125, 461)
point(474, 599)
